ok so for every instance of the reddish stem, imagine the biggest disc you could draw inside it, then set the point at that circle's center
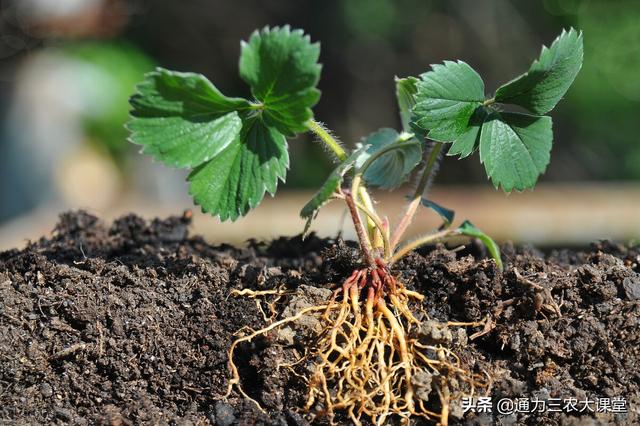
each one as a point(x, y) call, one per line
point(360, 231)
point(405, 222)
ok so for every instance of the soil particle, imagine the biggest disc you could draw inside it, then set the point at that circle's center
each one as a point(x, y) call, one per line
point(422, 384)
point(435, 332)
point(130, 324)
point(46, 390)
point(632, 287)
point(224, 414)
point(307, 325)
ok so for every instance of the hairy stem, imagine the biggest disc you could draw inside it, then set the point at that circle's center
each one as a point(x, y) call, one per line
point(380, 153)
point(374, 233)
point(365, 244)
point(428, 170)
point(405, 222)
point(358, 188)
point(324, 135)
point(410, 212)
point(375, 219)
point(489, 102)
point(431, 238)
point(360, 192)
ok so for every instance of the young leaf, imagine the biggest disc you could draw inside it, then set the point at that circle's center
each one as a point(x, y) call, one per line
point(467, 142)
point(406, 88)
point(181, 119)
point(234, 181)
point(446, 99)
point(322, 196)
point(467, 228)
point(515, 149)
point(390, 169)
point(549, 78)
point(281, 66)
point(328, 189)
point(446, 214)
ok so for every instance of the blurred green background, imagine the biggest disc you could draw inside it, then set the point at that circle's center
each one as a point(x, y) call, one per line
point(68, 66)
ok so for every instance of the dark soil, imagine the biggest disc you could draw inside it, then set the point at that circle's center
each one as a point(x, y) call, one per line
point(130, 324)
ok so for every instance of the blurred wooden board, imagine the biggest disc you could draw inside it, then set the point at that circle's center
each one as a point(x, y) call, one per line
point(552, 215)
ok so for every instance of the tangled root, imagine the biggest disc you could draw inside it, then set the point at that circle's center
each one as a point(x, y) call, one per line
point(370, 363)
point(370, 360)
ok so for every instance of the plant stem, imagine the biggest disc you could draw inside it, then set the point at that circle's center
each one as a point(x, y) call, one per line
point(428, 170)
point(324, 135)
point(489, 102)
point(382, 152)
point(358, 188)
point(407, 218)
point(360, 191)
point(373, 217)
point(365, 244)
point(355, 183)
point(371, 226)
point(402, 251)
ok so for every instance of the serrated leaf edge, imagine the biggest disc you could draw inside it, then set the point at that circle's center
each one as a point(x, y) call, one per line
point(143, 147)
point(536, 61)
point(497, 185)
point(235, 215)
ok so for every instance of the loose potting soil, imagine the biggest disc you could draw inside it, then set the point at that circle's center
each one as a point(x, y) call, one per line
point(130, 324)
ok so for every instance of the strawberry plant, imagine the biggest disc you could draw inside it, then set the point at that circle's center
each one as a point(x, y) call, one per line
point(366, 363)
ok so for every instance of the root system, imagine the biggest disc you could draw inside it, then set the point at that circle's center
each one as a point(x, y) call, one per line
point(371, 361)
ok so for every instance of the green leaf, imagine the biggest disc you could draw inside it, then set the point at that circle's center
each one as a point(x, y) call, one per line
point(235, 180)
point(328, 189)
point(237, 149)
point(332, 183)
point(467, 228)
point(281, 66)
point(181, 119)
point(392, 168)
point(549, 78)
point(466, 143)
point(515, 149)
point(406, 88)
point(446, 99)
point(446, 214)
point(320, 198)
